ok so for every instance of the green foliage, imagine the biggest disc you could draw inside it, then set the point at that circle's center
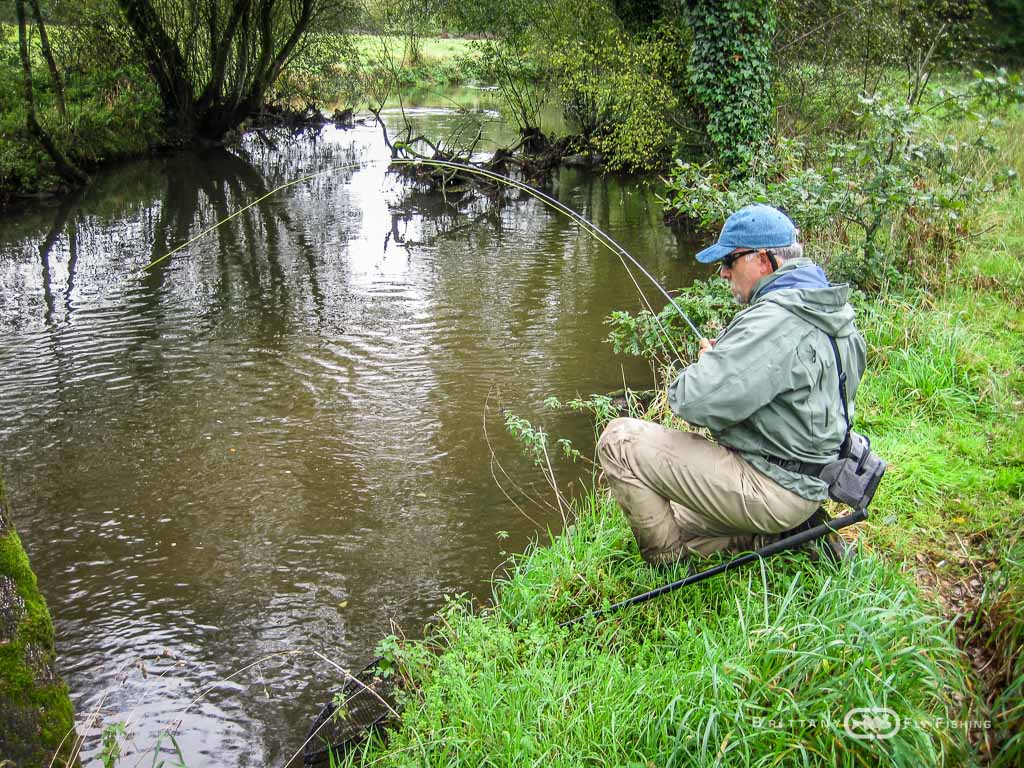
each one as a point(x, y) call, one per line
point(110, 744)
point(639, 15)
point(113, 112)
point(535, 440)
point(730, 75)
point(322, 71)
point(896, 197)
point(623, 93)
point(179, 755)
point(37, 712)
point(708, 303)
point(600, 407)
point(510, 65)
point(1001, 625)
point(389, 649)
point(829, 51)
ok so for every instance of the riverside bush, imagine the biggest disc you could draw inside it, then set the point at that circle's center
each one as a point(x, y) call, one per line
point(708, 303)
point(113, 111)
point(623, 94)
point(896, 197)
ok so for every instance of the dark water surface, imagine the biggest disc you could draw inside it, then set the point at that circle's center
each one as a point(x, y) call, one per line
point(273, 443)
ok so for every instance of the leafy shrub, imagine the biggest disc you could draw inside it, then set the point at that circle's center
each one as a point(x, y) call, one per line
point(828, 51)
point(666, 337)
point(897, 186)
point(623, 94)
point(516, 72)
point(323, 70)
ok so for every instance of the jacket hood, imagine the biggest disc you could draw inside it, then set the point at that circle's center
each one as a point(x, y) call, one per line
point(800, 287)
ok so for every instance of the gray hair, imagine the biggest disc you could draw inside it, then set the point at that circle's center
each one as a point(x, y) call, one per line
point(794, 251)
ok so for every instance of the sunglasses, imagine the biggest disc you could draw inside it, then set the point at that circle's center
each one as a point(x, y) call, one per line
point(729, 259)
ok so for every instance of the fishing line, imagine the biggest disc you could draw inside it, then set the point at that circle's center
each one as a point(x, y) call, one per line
point(592, 229)
point(243, 209)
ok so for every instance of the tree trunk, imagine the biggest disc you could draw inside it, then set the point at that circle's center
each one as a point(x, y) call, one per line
point(223, 44)
point(212, 87)
point(44, 44)
point(67, 169)
point(165, 64)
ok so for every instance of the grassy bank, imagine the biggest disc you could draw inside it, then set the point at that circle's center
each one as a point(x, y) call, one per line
point(413, 62)
point(762, 667)
point(754, 668)
point(432, 60)
point(113, 112)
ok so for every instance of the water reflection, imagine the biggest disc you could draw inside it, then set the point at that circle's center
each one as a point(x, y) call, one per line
point(272, 442)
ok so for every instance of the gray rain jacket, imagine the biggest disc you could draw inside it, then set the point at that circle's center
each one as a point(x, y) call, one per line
point(769, 387)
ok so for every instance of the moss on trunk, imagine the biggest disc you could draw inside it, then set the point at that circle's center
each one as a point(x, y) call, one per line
point(35, 711)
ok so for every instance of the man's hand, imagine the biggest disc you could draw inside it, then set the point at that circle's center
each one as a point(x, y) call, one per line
point(705, 346)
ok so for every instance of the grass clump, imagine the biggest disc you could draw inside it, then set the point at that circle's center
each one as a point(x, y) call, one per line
point(752, 668)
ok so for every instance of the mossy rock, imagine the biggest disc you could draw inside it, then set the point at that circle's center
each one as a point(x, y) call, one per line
point(35, 712)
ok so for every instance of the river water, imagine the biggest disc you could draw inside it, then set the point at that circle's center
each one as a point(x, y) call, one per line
point(287, 438)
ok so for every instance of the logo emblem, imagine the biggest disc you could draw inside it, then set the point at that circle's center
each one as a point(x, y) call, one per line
point(871, 723)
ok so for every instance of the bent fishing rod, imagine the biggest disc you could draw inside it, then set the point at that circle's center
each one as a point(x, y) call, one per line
point(592, 229)
point(790, 542)
point(577, 217)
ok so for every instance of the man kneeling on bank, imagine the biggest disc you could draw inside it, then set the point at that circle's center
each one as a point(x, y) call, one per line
point(768, 391)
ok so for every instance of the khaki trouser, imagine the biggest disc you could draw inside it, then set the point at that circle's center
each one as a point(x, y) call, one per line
point(685, 495)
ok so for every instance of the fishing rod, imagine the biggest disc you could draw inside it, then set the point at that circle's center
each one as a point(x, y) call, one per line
point(558, 205)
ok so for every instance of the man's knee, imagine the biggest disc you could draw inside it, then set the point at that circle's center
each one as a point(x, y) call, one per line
point(612, 445)
point(618, 431)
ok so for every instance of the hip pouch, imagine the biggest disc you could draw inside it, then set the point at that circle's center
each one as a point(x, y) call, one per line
point(853, 478)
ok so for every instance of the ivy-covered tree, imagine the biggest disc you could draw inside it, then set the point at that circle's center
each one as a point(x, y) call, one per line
point(730, 74)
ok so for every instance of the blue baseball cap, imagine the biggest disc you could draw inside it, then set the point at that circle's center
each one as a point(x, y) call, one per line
point(755, 226)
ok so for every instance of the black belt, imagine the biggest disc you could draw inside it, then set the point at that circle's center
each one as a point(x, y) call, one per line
point(801, 467)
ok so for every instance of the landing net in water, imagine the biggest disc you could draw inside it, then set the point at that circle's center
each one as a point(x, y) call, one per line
point(364, 705)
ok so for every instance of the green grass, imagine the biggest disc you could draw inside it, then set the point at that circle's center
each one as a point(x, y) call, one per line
point(431, 48)
point(944, 398)
point(758, 667)
point(437, 60)
point(112, 114)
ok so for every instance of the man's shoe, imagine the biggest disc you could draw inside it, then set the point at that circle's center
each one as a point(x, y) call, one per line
point(835, 549)
point(832, 546)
